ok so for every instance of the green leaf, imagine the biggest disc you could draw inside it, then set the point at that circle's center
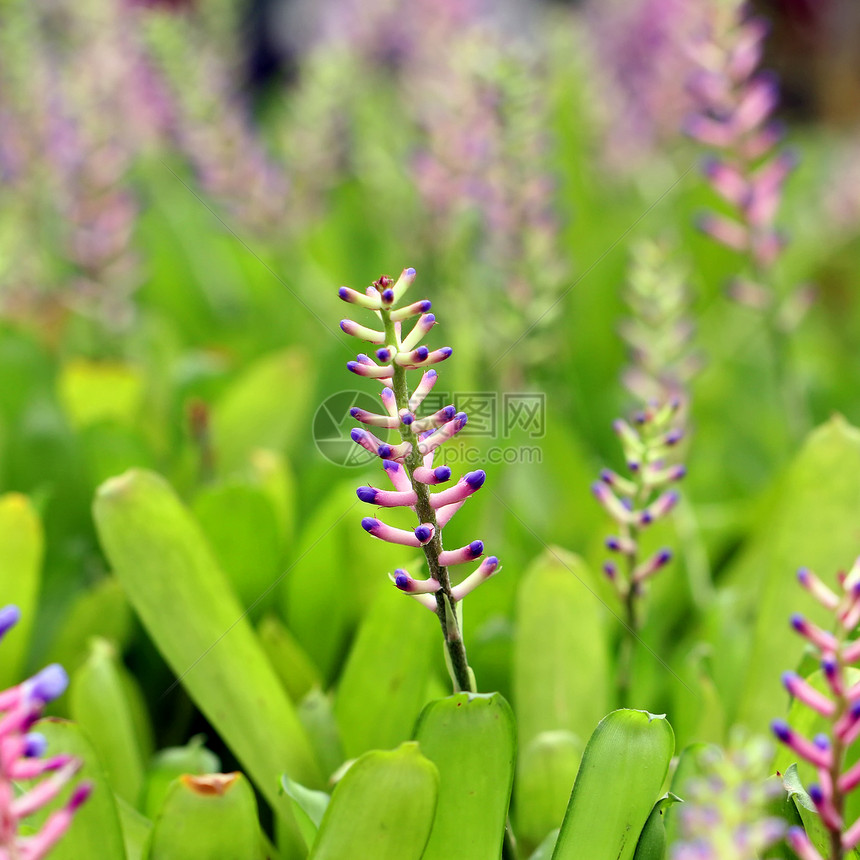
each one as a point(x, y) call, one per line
point(471, 738)
point(263, 408)
point(622, 772)
point(187, 606)
point(293, 666)
point(558, 615)
point(545, 849)
point(308, 808)
point(652, 842)
point(95, 830)
point(136, 829)
point(818, 834)
point(317, 716)
point(271, 471)
point(812, 523)
point(240, 525)
point(169, 764)
point(545, 775)
point(211, 817)
point(382, 809)
point(103, 610)
point(21, 551)
point(381, 689)
point(96, 391)
point(100, 704)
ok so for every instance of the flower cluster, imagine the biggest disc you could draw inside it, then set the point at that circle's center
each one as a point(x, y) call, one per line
point(839, 705)
point(409, 463)
point(637, 501)
point(734, 116)
point(21, 760)
point(659, 329)
point(725, 811)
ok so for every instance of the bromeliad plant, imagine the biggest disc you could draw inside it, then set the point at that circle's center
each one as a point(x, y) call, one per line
point(838, 705)
point(409, 463)
point(22, 760)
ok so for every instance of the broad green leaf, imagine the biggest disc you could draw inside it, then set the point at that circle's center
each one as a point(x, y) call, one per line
point(652, 843)
point(271, 470)
point(471, 738)
point(171, 763)
point(309, 806)
point(317, 716)
point(95, 391)
point(242, 530)
point(21, 550)
point(697, 709)
point(95, 830)
point(545, 775)
point(809, 817)
point(262, 408)
point(689, 766)
point(812, 524)
point(210, 817)
point(186, 604)
point(545, 849)
point(381, 689)
point(293, 666)
point(622, 772)
point(559, 616)
point(382, 809)
point(103, 610)
point(100, 704)
point(136, 830)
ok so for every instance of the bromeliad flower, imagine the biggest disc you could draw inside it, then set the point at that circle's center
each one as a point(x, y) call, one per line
point(409, 463)
point(838, 704)
point(22, 761)
point(734, 118)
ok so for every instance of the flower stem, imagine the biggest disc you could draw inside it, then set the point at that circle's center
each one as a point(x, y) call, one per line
point(458, 666)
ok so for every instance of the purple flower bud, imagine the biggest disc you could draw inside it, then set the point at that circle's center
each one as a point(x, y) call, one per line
point(79, 796)
point(35, 745)
point(781, 729)
point(423, 533)
point(407, 418)
point(388, 296)
point(9, 617)
point(366, 494)
point(475, 479)
point(47, 685)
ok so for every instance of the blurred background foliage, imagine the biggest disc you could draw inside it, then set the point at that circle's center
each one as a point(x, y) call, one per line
point(185, 185)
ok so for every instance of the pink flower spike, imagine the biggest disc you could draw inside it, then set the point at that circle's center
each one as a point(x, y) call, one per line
point(486, 569)
point(423, 534)
point(437, 419)
point(410, 310)
point(406, 583)
point(362, 331)
point(371, 302)
point(647, 569)
point(389, 402)
point(444, 515)
point(820, 638)
point(426, 475)
point(386, 498)
point(460, 556)
point(611, 503)
point(804, 748)
point(428, 380)
point(468, 484)
point(804, 692)
point(369, 369)
point(451, 428)
point(431, 358)
point(831, 818)
point(799, 843)
point(850, 837)
point(403, 283)
point(725, 231)
point(57, 824)
point(422, 327)
point(397, 475)
point(374, 420)
point(26, 804)
point(727, 181)
point(817, 589)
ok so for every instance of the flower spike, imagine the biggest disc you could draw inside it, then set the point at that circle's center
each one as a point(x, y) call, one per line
point(409, 462)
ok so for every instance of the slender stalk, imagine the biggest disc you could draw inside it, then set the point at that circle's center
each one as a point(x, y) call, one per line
point(458, 665)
